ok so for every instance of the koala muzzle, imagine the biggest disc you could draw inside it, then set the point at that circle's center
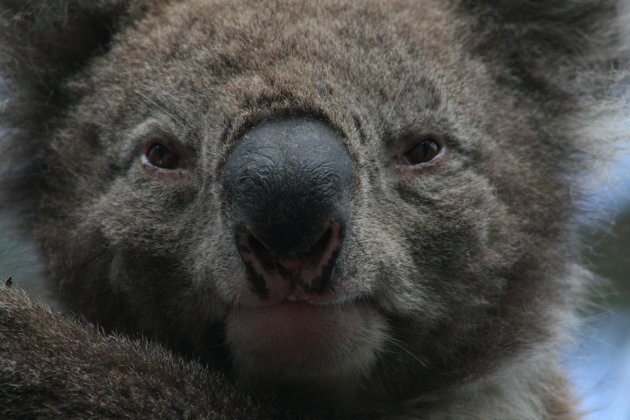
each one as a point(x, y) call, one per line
point(288, 181)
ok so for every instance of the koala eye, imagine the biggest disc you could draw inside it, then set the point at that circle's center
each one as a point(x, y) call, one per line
point(162, 157)
point(424, 151)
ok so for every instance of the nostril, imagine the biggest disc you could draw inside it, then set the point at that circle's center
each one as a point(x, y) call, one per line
point(310, 269)
point(262, 254)
point(323, 242)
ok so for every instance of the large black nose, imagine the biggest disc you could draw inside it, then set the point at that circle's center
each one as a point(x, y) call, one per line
point(289, 181)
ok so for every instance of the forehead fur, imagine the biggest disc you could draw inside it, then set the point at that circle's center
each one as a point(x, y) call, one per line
point(213, 50)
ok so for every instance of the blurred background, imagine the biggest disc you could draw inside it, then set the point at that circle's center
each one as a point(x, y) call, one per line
point(599, 361)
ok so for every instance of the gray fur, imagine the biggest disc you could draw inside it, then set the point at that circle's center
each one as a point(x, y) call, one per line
point(462, 277)
point(53, 366)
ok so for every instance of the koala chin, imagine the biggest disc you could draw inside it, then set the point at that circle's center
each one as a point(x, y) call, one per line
point(329, 350)
point(340, 208)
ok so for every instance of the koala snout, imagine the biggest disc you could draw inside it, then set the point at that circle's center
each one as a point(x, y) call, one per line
point(288, 183)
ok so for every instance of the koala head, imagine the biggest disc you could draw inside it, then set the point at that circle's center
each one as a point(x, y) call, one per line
point(360, 202)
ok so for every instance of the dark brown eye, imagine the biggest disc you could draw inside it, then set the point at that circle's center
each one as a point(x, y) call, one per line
point(423, 152)
point(162, 157)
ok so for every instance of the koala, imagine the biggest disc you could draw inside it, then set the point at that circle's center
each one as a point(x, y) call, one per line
point(362, 209)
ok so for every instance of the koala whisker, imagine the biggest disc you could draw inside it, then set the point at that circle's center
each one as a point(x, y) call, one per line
point(163, 109)
point(400, 346)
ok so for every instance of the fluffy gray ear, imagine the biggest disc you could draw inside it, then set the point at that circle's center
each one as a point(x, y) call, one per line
point(42, 43)
point(539, 38)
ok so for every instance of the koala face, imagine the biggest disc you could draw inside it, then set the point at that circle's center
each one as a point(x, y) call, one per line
point(347, 201)
point(324, 200)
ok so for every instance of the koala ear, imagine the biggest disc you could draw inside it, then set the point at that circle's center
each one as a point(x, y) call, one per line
point(540, 38)
point(42, 42)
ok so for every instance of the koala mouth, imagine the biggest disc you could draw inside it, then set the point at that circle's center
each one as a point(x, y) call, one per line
point(298, 343)
point(299, 327)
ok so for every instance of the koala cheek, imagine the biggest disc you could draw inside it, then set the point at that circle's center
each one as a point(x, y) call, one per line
point(227, 280)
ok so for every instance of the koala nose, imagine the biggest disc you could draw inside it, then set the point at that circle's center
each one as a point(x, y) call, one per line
point(288, 181)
